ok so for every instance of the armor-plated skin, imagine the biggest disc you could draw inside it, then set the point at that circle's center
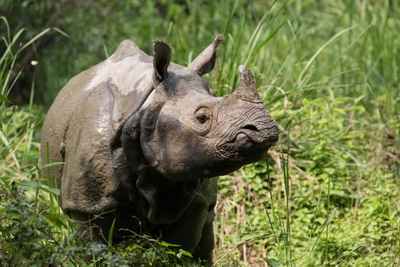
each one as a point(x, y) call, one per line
point(142, 139)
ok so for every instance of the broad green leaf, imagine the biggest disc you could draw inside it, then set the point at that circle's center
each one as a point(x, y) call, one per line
point(273, 262)
point(4, 99)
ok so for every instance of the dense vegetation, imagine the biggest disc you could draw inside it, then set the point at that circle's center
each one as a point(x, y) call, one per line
point(328, 71)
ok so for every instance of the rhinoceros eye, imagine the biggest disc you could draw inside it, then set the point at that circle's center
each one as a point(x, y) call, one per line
point(202, 118)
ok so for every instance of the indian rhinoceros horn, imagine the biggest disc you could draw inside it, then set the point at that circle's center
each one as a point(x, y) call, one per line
point(247, 89)
point(204, 62)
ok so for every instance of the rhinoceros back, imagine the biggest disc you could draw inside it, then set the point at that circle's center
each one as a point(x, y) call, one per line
point(83, 127)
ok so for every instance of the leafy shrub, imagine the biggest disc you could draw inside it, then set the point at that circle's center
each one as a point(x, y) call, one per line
point(26, 236)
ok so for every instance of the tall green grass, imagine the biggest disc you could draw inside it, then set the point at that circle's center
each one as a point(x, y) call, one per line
point(326, 195)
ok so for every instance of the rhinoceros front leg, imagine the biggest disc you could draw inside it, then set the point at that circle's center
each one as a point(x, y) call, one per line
point(194, 229)
point(193, 232)
point(205, 246)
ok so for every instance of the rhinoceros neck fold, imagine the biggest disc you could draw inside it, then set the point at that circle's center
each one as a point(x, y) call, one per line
point(157, 191)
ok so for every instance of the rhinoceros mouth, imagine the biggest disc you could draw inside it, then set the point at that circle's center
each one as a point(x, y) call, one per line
point(249, 139)
point(257, 137)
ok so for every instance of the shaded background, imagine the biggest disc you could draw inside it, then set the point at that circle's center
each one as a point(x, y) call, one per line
point(95, 28)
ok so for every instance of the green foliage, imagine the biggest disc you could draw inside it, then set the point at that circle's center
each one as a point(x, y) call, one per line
point(30, 237)
point(23, 230)
point(337, 144)
point(328, 71)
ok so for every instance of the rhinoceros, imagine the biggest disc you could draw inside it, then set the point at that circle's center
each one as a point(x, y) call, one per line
point(143, 141)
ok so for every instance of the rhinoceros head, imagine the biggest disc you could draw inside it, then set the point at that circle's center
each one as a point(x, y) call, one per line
point(187, 134)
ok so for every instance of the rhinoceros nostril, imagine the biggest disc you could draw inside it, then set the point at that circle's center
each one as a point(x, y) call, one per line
point(250, 127)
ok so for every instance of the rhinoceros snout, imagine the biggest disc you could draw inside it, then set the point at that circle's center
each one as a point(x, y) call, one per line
point(261, 131)
point(270, 133)
point(250, 136)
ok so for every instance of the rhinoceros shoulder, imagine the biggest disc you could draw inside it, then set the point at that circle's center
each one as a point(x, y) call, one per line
point(128, 48)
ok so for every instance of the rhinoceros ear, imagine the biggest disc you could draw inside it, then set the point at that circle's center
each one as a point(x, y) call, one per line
point(161, 59)
point(204, 63)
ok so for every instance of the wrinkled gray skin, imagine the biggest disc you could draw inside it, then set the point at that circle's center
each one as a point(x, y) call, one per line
point(142, 139)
